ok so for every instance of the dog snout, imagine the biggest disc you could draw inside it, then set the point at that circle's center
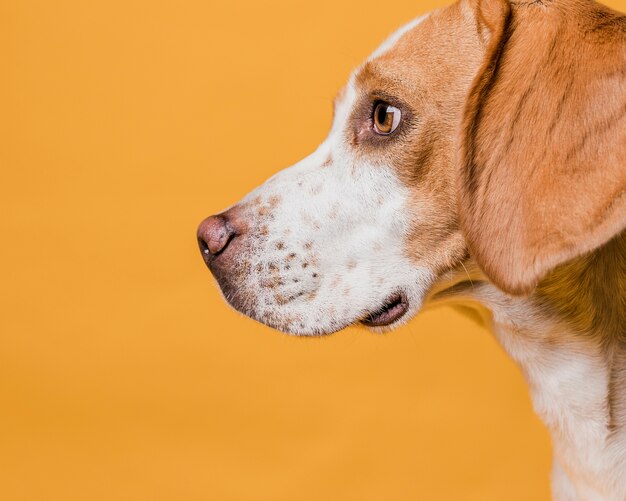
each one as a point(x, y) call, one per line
point(214, 234)
point(224, 240)
point(219, 238)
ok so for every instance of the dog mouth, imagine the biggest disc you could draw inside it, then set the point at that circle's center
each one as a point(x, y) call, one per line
point(393, 309)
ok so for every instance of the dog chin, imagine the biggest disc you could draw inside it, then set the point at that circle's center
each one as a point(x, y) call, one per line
point(391, 313)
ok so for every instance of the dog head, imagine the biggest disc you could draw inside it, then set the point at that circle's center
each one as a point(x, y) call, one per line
point(432, 154)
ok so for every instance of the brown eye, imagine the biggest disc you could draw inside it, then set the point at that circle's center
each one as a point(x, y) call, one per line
point(386, 118)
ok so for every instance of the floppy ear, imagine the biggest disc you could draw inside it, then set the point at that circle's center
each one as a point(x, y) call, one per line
point(543, 140)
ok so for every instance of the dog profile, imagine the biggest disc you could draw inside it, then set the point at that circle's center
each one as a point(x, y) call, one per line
point(477, 158)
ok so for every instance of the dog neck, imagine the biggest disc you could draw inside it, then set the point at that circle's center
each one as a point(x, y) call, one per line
point(569, 339)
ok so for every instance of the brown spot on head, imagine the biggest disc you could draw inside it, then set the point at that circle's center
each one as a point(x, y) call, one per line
point(280, 245)
point(270, 283)
point(243, 270)
point(264, 231)
point(281, 299)
point(334, 210)
point(308, 245)
point(273, 201)
point(309, 220)
point(352, 264)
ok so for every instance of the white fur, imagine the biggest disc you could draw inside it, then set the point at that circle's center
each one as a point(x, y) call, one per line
point(568, 384)
point(568, 379)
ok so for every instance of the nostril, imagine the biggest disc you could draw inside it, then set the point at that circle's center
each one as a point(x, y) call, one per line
point(204, 247)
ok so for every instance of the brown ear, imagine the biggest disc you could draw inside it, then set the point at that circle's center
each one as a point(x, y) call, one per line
point(543, 141)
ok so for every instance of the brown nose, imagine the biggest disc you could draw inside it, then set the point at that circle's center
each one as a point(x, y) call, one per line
point(214, 235)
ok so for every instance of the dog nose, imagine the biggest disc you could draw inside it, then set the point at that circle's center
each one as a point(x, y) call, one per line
point(214, 235)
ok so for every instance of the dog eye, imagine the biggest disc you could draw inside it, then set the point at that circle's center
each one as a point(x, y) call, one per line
point(386, 118)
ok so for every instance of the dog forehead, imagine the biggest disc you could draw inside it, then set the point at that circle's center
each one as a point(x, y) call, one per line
point(373, 74)
point(392, 40)
point(424, 53)
point(389, 63)
point(392, 68)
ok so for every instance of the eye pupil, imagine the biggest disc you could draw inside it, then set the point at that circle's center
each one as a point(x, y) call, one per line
point(386, 118)
point(383, 115)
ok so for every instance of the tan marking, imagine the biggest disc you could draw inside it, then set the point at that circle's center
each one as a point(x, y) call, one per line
point(270, 283)
point(273, 201)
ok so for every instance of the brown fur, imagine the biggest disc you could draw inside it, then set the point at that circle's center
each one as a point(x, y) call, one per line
point(543, 146)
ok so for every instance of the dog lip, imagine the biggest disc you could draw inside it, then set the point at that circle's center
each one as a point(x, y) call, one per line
point(394, 307)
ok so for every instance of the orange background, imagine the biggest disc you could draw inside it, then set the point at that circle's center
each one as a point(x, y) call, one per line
point(123, 375)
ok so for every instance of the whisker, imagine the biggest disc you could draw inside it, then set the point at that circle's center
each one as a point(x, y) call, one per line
point(468, 275)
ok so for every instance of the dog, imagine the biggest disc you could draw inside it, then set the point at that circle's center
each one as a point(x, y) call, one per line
point(477, 158)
